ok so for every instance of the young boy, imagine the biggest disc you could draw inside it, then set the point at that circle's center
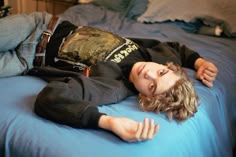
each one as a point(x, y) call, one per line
point(87, 67)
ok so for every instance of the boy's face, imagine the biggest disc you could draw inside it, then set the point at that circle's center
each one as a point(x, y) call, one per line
point(151, 79)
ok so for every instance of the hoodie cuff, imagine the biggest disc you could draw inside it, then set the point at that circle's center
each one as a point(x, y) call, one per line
point(91, 117)
point(192, 59)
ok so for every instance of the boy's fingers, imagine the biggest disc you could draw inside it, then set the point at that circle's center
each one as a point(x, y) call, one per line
point(210, 73)
point(207, 83)
point(144, 133)
point(139, 131)
point(151, 129)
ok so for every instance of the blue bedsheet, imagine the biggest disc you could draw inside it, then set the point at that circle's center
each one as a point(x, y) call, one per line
point(210, 133)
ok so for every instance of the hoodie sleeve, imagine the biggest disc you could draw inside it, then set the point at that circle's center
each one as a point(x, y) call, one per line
point(74, 100)
point(162, 52)
point(186, 55)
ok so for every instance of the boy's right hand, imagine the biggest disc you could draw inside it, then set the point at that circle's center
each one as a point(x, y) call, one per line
point(128, 129)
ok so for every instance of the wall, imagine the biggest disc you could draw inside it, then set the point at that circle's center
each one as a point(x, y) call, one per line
point(28, 6)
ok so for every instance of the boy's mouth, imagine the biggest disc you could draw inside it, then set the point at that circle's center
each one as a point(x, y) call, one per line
point(140, 69)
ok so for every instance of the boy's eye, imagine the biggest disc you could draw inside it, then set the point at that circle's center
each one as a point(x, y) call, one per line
point(151, 87)
point(162, 72)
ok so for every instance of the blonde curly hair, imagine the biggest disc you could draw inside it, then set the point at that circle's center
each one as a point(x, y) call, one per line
point(179, 102)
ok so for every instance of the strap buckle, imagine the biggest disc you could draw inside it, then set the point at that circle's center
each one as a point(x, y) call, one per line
point(48, 33)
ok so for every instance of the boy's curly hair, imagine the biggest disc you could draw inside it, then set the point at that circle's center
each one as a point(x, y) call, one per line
point(179, 102)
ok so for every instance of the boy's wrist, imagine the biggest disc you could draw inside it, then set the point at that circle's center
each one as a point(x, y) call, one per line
point(104, 122)
point(198, 63)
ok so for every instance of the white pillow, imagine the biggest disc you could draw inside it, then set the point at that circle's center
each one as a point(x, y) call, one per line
point(220, 12)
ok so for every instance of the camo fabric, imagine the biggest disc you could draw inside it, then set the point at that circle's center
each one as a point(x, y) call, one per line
point(88, 45)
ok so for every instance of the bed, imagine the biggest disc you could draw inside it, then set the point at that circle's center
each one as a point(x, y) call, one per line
point(210, 133)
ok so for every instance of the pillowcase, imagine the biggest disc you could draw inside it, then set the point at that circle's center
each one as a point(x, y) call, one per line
point(136, 8)
point(129, 8)
point(222, 12)
point(114, 5)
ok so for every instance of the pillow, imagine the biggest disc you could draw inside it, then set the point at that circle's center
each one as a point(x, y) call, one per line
point(221, 12)
point(114, 5)
point(136, 8)
point(129, 8)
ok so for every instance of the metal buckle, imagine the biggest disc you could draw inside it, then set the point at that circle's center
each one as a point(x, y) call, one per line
point(47, 33)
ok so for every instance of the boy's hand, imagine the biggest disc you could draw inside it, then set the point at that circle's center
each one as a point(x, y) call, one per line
point(128, 129)
point(206, 71)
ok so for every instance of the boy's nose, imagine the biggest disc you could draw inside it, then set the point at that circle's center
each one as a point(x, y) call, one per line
point(150, 75)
